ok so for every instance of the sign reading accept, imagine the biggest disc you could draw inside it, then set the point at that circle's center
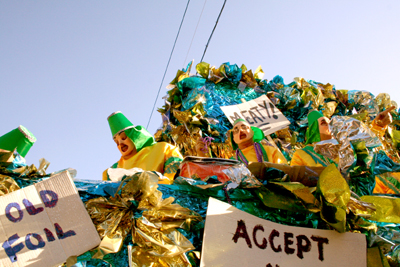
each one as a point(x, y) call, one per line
point(235, 238)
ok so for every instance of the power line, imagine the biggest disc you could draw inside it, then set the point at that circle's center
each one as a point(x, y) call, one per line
point(167, 64)
point(209, 39)
point(184, 62)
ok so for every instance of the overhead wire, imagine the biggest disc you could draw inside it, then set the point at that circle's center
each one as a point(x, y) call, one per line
point(215, 26)
point(190, 46)
point(172, 51)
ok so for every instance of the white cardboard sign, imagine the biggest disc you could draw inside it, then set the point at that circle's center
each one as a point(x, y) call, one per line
point(260, 112)
point(235, 238)
point(44, 224)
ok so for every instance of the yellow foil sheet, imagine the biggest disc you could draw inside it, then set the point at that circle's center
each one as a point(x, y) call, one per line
point(334, 187)
point(259, 73)
point(335, 195)
point(387, 208)
point(203, 68)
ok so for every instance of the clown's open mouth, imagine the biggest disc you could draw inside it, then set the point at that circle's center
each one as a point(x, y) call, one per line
point(124, 148)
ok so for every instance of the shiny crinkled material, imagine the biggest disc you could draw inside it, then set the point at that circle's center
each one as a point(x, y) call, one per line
point(139, 219)
point(328, 148)
point(7, 185)
point(139, 209)
point(232, 72)
point(288, 196)
point(387, 208)
point(348, 130)
point(242, 176)
point(334, 195)
point(383, 101)
point(363, 101)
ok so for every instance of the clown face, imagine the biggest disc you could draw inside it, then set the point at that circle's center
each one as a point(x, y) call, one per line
point(125, 145)
point(201, 148)
point(324, 130)
point(242, 133)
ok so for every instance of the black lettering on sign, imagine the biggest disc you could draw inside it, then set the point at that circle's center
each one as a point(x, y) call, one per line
point(49, 203)
point(254, 115)
point(10, 216)
point(269, 265)
point(30, 208)
point(30, 245)
point(273, 111)
point(271, 241)
point(235, 117)
point(264, 241)
point(241, 231)
point(261, 115)
point(320, 241)
point(288, 241)
point(60, 233)
point(261, 126)
point(302, 247)
point(265, 106)
point(248, 119)
point(12, 251)
point(49, 235)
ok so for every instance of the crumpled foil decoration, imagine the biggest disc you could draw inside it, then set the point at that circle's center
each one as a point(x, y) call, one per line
point(348, 130)
point(138, 209)
point(7, 185)
point(334, 193)
point(351, 113)
point(192, 110)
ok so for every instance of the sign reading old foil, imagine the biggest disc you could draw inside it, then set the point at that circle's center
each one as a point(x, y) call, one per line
point(259, 112)
point(44, 224)
point(235, 238)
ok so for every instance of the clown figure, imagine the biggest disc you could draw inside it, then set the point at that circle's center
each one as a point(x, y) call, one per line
point(247, 142)
point(318, 130)
point(139, 149)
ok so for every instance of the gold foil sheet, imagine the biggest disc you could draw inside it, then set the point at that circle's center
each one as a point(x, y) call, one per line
point(383, 101)
point(7, 185)
point(154, 232)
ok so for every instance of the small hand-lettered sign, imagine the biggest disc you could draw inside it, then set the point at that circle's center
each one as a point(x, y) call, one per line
point(260, 112)
point(235, 238)
point(44, 224)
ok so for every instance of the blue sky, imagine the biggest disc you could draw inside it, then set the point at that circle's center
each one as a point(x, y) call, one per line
point(66, 65)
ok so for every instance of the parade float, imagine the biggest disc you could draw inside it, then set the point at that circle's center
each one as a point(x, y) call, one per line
point(218, 211)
